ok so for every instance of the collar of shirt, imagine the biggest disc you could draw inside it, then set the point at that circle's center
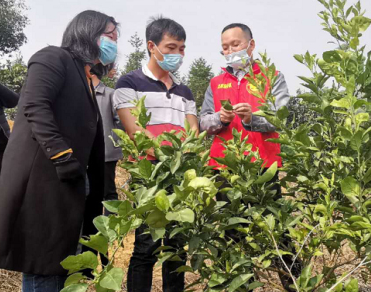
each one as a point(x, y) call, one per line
point(100, 88)
point(239, 73)
point(149, 74)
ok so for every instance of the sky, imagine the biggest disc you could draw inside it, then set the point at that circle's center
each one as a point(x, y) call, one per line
point(280, 27)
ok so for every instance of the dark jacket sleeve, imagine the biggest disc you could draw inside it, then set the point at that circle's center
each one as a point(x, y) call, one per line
point(8, 98)
point(210, 120)
point(46, 76)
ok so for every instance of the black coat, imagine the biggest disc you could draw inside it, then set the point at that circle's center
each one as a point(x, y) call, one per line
point(41, 216)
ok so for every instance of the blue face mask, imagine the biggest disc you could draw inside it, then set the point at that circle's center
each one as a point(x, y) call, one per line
point(108, 50)
point(171, 62)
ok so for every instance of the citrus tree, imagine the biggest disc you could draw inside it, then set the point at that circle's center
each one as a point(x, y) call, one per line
point(240, 245)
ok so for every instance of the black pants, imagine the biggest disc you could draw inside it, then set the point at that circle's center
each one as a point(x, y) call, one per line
point(110, 193)
point(142, 262)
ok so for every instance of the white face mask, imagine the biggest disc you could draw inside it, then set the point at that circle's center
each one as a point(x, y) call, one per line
point(239, 60)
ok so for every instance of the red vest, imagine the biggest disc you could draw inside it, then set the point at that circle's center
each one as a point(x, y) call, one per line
point(226, 86)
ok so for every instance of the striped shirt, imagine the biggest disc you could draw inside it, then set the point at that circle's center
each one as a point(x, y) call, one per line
point(168, 107)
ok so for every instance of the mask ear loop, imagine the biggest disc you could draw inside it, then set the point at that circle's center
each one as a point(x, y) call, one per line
point(159, 52)
point(248, 48)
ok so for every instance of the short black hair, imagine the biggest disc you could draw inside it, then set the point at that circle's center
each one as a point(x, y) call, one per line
point(82, 34)
point(159, 26)
point(100, 71)
point(244, 27)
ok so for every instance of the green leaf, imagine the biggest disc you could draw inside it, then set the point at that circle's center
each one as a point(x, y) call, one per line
point(175, 163)
point(299, 58)
point(157, 233)
point(141, 113)
point(102, 224)
point(356, 141)
point(76, 288)
point(331, 57)
point(302, 135)
point(74, 279)
point(266, 264)
point(97, 242)
point(314, 281)
point(204, 184)
point(154, 172)
point(283, 113)
point(364, 23)
point(175, 141)
point(351, 189)
point(268, 175)
point(255, 246)
point(342, 103)
point(126, 226)
point(217, 279)
point(352, 285)
point(362, 117)
point(255, 285)
point(271, 222)
point(162, 201)
point(237, 220)
point(240, 263)
point(305, 276)
point(226, 104)
point(185, 215)
point(99, 288)
point(145, 168)
point(345, 133)
point(113, 279)
point(144, 196)
point(184, 269)
point(308, 97)
point(239, 281)
point(156, 219)
point(112, 206)
point(86, 260)
point(176, 231)
point(194, 243)
point(125, 208)
point(163, 257)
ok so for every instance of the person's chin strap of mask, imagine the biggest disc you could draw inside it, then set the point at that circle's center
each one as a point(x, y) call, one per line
point(239, 60)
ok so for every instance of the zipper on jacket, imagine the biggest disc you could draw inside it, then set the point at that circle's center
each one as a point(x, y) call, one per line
point(238, 90)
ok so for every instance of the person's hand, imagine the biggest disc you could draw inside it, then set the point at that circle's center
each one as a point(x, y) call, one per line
point(243, 110)
point(226, 116)
point(68, 168)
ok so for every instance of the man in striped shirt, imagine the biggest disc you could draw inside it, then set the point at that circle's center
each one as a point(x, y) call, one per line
point(170, 104)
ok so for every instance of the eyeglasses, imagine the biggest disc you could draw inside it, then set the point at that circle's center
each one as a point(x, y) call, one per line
point(233, 48)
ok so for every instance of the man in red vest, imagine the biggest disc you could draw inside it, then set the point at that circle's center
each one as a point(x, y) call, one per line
point(237, 48)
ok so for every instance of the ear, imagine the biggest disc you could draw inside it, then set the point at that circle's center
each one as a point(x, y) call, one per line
point(251, 48)
point(151, 47)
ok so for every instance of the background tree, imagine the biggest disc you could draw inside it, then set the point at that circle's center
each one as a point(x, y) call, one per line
point(12, 22)
point(199, 76)
point(300, 112)
point(13, 74)
point(135, 59)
